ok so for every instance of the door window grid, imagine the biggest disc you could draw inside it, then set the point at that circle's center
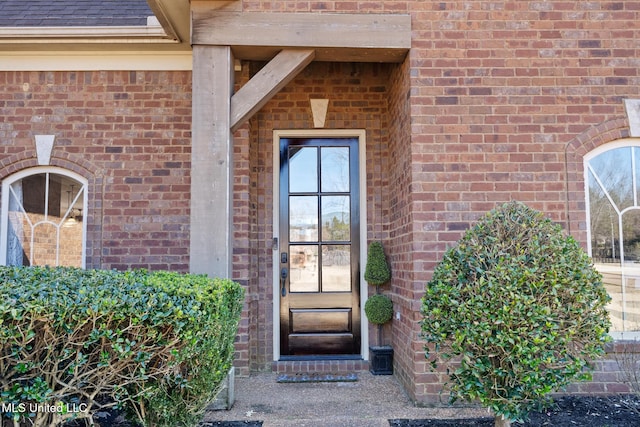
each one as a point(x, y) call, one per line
point(331, 207)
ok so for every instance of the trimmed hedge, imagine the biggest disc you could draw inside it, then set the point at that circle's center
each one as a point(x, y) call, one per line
point(75, 341)
point(520, 308)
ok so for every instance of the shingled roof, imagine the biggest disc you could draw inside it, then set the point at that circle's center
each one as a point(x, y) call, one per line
point(73, 13)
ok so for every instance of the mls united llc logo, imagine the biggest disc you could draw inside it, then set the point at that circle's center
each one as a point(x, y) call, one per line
point(33, 408)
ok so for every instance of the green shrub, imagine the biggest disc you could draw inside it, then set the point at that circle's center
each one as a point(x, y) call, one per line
point(379, 309)
point(377, 271)
point(520, 309)
point(72, 338)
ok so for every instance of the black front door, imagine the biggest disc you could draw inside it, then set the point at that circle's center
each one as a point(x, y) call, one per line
point(319, 251)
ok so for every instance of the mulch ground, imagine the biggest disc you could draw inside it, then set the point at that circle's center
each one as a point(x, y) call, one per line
point(566, 411)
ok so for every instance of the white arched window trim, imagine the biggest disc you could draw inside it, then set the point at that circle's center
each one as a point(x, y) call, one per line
point(625, 271)
point(48, 170)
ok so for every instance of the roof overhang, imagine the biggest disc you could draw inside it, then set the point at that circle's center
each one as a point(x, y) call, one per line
point(174, 16)
point(333, 36)
point(167, 31)
point(179, 24)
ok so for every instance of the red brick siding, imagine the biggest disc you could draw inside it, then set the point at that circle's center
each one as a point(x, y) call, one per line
point(246, 244)
point(399, 239)
point(499, 90)
point(129, 134)
point(497, 101)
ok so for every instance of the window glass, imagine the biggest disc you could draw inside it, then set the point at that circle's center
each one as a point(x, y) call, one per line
point(335, 169)
point(614, 225)
point(336, 214)
point(336, 268)
point(43, 220)
point(304, 268)
point(303, 218)
point(615, 174)
point(303, 169)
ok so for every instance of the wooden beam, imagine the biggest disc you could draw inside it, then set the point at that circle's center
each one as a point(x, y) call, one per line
point(266, 83)
point(211, 246)
point(334, 37)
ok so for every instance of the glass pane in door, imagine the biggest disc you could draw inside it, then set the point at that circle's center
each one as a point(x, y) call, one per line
point(303, 169)
point(303, 218)
point(304, 268)
point(336, 268)
point(335, 169)
point(336, 214)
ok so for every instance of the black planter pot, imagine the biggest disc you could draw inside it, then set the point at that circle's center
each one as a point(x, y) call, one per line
point(381, 360)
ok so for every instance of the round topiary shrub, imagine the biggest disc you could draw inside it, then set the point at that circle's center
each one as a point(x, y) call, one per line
point(379, 309)
point(519, 307)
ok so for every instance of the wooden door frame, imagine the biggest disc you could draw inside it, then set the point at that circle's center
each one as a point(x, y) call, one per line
point(360, 134)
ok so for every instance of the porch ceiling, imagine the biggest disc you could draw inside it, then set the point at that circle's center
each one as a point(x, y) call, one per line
point(333, 37)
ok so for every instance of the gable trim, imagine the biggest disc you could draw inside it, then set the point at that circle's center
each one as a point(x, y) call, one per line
point(94, 61)
point(20, 35)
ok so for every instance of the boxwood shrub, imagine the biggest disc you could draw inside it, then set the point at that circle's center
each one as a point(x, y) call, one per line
point(518, 305)
point(73, 341)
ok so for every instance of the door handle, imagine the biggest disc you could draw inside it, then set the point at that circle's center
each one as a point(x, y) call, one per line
point(284, 273)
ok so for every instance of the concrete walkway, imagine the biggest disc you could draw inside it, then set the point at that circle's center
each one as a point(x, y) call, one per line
point(368, 402)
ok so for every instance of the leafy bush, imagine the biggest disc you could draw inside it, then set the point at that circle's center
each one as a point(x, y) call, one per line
point(519, 307)
point(379, 309)
point(80, 340)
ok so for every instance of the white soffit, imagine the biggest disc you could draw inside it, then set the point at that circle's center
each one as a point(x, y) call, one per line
point(91, 61)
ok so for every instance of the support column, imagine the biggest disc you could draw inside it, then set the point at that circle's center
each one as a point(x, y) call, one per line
point(211, 162)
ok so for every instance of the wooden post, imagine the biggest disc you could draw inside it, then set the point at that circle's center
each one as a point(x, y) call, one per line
point(211, 162)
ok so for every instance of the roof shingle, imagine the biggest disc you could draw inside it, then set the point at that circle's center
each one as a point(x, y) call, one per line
point(73, 13)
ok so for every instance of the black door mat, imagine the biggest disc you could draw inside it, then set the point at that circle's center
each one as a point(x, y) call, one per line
point(119, 421)
point(316, 378)
point(470, 422)
point(232, 424)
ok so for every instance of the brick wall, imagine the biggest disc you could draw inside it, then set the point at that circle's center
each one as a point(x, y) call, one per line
point(498, 100)
point(399, 239)
point(129, 134)
point(501, 91)
point(247, 244)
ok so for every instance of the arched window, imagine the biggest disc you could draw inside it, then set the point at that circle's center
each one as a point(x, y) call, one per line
point(612, 174)
point(42, 218)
